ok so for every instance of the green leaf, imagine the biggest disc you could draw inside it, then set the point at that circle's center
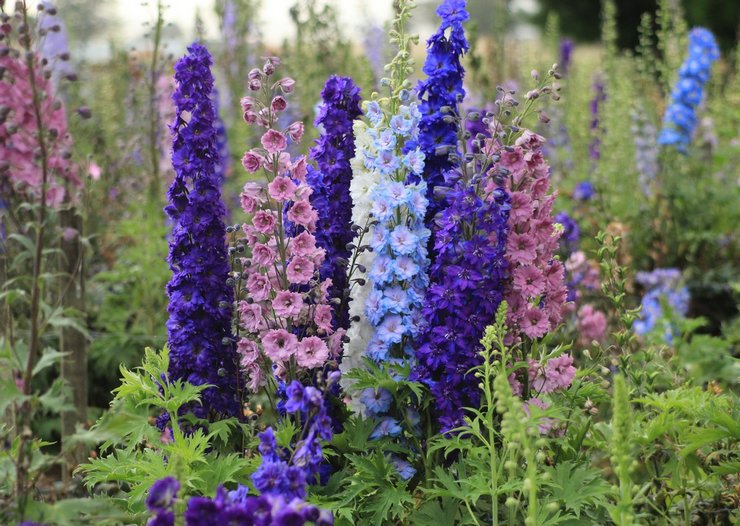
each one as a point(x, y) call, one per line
point(47, 359)
point(577, 486)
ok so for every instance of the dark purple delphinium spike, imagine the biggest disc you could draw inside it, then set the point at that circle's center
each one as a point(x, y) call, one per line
point(222, 143)
point(594, 148)
point(199, 326)
point(443, 88)
point(467, 284)
point(566, 55)
point(330, 183)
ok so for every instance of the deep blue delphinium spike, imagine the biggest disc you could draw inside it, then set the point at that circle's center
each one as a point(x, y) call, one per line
point(442, 89)
point(680, 119)
point(330, 183)
point(199, 326)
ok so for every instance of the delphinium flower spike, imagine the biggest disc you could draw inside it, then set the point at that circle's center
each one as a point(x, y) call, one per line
point(285, 325)
point(440, 94)
point(536, 292)
point(390, 130)
point(330, 182)
point(199, 327)
point(680, 116)
point(467, 282)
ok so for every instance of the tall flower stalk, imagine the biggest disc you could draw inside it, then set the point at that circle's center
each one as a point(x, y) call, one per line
point(467, 283)
point(440, 95)
point(680, 116)
point(330, 182)
point(285, 327)
point(199, 327)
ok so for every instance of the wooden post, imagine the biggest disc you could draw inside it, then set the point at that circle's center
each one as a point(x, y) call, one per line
point(73, 343)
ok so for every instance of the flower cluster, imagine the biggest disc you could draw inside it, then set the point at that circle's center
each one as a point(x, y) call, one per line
point(440, 94)
point(543, 379)
point(680, 120)
point(362, 185)
point(200, 306)
point(330, 183)
point(566, 55)
point(287, 475)
point(393, 213)
point(21, 171)
point(467, 282)
point(571, 233)
point(661, 284)
point(594, 147)
point(283, 304)
point(398, 271)
point(591, 324)
point(646, 150)
point(54, 42)
point(161, 501)
point(233, 507)
point(536, 292)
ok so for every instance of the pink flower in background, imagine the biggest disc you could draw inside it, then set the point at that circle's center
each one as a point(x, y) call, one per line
point(17, 148)
point(545, 424)
point(591, 324)
point(68, 234)
point(274, 142)
point(94, 171)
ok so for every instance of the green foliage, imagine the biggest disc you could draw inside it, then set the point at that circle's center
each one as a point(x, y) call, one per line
point(135, 453)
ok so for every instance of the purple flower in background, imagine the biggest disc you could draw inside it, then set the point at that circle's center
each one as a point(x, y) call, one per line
point(53, 45)
point(646, 150)
point(199, 326)
point(594, 148)
point(662, 285)
point(584, 191)
point(571, 232)
point(374, 45)
point(566, 55)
